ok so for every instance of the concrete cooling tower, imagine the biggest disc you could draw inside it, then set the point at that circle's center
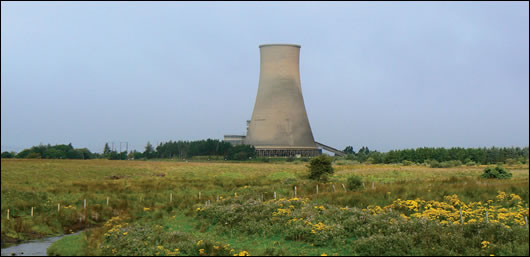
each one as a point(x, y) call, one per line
point(279, 124)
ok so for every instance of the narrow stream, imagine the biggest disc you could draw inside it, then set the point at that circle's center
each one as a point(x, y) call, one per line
point(34, 247)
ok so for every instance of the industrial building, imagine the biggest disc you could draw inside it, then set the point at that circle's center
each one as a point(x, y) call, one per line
point(279, 125)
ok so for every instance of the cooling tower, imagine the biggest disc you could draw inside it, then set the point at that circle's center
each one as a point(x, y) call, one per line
point(279, 124)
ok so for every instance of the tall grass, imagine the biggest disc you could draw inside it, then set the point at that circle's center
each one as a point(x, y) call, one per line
point(133, 186)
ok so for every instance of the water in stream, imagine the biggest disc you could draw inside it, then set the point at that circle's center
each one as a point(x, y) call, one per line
point(32, 248)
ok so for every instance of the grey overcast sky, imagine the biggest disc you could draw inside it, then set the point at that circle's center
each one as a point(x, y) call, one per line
point(387, 75)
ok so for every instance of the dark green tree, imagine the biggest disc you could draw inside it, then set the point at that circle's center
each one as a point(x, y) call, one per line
point(349, 150)
point(149, 151)
point(8, 154)
point(320, 167)
point(106, 149)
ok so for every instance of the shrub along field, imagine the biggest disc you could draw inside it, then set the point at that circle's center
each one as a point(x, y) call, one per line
point(181, 208)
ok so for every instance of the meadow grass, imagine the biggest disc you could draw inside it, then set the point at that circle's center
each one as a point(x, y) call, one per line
point(139, 191)
point(74, 245)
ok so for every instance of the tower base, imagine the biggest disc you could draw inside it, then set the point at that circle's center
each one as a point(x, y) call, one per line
point(287, 152)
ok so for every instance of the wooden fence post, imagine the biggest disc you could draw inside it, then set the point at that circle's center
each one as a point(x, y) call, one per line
point(84, 204)
point(294, 191)
point(274, 195)
point(58, 207)
point(7, 214)
point(107, 201)
point(487, 221)
point(199, 195)
point(31, 211)
point(461, 218)
point(317, 189)
point(170, 197)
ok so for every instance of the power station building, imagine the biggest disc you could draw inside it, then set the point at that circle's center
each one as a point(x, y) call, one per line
point(279, 125)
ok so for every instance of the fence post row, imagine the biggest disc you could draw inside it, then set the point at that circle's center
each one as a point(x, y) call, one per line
point(208, 203)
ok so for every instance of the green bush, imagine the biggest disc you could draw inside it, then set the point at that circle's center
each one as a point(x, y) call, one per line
point(497, 172)
point(510, 161)
point(319, 166)
point(354, 182)
point(434, 164)
point(447, 164)
point(33, 156)
point(471, 163)
point(407, 163)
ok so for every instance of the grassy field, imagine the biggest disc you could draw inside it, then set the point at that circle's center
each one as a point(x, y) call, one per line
point(154, 208)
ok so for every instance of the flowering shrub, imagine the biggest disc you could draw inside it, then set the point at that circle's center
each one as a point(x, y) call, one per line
point(397, 227)
point(124, 239)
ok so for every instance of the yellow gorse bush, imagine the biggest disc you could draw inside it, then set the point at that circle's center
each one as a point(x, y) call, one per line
point(114, 226)
point(321, 207)
point(319, 227)
point(242, 253)
point(281, 212)
point(448, 211)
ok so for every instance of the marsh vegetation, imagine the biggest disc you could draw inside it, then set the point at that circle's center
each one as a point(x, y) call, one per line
point(194, 208)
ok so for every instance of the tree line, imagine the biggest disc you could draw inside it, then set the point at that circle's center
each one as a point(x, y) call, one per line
point(483, 155)
point(213, 148)
point(171, 149)
point(189, 149)
point(53, 152)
